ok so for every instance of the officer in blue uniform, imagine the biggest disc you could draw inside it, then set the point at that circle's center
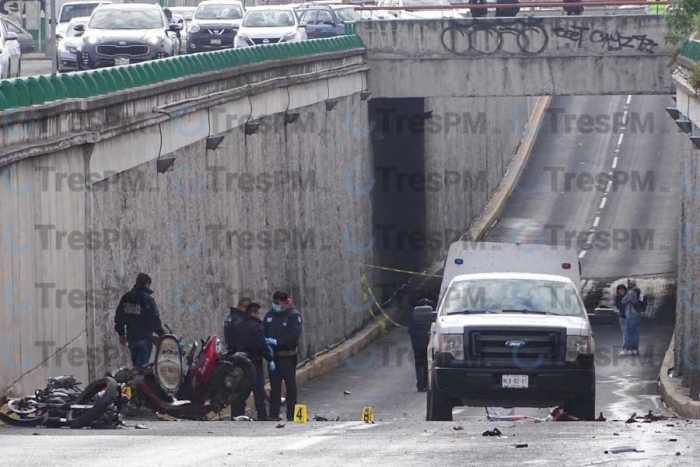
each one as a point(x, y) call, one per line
point(236, 315)
point(283, 328)
point(250, 339)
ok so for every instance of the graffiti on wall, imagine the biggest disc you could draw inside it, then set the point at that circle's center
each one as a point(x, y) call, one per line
point(531, 36)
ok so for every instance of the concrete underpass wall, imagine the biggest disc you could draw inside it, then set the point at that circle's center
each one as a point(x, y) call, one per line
point(272, 210)
point(525, 56)
point(42, 311)
point(469, 148)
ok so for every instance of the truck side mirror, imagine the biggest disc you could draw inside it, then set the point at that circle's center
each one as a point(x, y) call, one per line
point(424, 314)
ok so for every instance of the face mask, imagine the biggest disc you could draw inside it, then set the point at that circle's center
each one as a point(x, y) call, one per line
point(276, 307)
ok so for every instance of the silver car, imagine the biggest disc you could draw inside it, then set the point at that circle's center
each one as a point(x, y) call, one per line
point(67, 48)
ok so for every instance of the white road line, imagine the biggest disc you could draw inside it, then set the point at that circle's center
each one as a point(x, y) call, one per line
point(365, 426)
point(589, 239)
point(629, 99)
point(608, 187)
point(614, 162)
point(602, 203)
point(620, 138)
point(582, 254)
point(308, 442)
point(596, 221)
point(624, 118)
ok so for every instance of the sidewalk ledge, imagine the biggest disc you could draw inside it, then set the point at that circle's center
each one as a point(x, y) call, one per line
point(675, 395)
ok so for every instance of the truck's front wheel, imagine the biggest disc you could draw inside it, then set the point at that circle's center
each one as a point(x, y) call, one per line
point(583, 406)
point(439, 406)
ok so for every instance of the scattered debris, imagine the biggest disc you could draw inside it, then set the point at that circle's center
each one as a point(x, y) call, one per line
point(678, 453)
point(318, 418)
point(673, 440)
point(632, 419)
point(523, 445)
point(35, 434)
point(650, 417)
point(458, 428)
point(670, 424)
point(337, 419)
point(560, 415)
point(616, 434)
point(601, 418)
point(243, 418)
point(494, 432)
point(140, 426)
point(280, 425)
point(621, 449)
point(347, 393)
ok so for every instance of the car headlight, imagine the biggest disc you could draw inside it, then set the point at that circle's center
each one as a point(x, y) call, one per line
point(92, 40)
point(154, 40)
point(289, 36)
point(452, 344)
point(578, 345)
point(194, 28)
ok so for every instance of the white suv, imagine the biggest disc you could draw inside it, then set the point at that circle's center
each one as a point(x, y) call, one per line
point(270, 25)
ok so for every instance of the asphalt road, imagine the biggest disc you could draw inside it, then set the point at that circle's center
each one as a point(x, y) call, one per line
point(36, 67)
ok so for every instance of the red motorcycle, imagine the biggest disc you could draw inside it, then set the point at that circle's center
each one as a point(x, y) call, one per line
point(189, 385)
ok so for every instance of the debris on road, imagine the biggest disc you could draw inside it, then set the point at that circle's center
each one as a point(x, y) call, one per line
point(280, 425)
point(522, 445)
point(601, 418)
point(318, 418)
point(494, 432)
point(242, 418)
point(622, 449)
point(347, 393)
point(672, 440)
point(141, 426)
point(633, 418)
point(458, 428)
point(560, 415)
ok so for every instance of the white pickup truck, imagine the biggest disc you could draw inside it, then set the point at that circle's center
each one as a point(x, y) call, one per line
point(510, 330)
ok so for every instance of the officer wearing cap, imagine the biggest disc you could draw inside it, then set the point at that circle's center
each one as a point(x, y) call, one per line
point(137, 319)
point(282, 327)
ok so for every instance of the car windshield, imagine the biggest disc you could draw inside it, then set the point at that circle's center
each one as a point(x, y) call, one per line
point(68, 12)
point(71, 29)
point(426, 3)
point(219, 12)
point(268, 19)
point(187, 14)
point(347, 14)
point(512, 296)
point(126, 19)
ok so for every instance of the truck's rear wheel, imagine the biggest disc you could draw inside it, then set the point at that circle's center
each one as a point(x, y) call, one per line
point(439, 406)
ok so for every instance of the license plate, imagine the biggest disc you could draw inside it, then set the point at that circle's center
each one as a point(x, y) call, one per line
point(216, 42)
point(514, 381)
point(121, 61)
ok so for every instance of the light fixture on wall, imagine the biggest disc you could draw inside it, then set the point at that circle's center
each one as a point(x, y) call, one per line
point(165, 165)
point(213, 142)
point(330, 104)
point(252, 128)
point(673, 112)
point(290, 117)
point(364, 95)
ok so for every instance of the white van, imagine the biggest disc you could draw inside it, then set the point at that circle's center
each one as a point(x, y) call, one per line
point(510, 330)
point(78, 9)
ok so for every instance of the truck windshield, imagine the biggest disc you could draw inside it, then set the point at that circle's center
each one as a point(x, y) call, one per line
point(512, 296)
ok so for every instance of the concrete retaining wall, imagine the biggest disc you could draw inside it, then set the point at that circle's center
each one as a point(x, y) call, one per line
point(518, 57)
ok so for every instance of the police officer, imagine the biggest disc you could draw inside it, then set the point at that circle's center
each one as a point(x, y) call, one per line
point(283, 328)
point(236, 315)
point(250, 338)
point(137, 319)
point(420, 337)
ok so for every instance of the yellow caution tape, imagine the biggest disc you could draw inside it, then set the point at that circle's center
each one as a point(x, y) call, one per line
point(402, 271)
point(364, 281)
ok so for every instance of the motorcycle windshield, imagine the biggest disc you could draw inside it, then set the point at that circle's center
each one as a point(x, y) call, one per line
point(169, 368)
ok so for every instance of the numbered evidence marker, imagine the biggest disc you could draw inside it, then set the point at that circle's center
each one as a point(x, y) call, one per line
point(300, 415)
point(367, 415)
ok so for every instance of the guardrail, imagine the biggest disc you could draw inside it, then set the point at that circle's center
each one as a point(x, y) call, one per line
point(36, 90)
point(522, 5)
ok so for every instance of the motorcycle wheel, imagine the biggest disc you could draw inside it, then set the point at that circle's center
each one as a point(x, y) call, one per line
point(92, 403)
point(25, 418)
point(229, 382)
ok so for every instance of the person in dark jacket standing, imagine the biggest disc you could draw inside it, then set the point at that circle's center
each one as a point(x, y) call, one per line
point(282, 327)
point(137, 319)
point(250, 339)
point(420, 337)
point(236, 315)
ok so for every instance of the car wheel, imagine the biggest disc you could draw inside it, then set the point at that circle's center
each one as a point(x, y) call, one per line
point(439, 407)
point(19, 68)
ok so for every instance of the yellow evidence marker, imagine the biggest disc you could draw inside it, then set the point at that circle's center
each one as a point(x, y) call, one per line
point(300, 415)
point(367, 415)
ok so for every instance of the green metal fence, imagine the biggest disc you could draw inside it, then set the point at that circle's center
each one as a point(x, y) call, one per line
point(691, 50)
point(36, 90)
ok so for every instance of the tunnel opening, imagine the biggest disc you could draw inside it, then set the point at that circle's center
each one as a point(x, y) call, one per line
point(399, 213)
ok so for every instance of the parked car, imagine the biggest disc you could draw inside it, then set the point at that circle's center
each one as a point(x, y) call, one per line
point(70, 10)
point(68, 45)
point(326, 20)
point(270, 25)
point(214, 25)
point(186, 12)
point(24, 37)
point(408, 13)
point(128, 33)
point(10, 53)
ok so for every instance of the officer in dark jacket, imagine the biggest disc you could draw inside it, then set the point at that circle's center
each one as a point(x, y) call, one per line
point(137, 319)
point(282, 327)
point(250, 338)
point(420, 337)
point(236, 315)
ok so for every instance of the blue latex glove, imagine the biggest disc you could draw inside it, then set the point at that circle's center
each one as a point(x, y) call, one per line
point(271, 341)
point(272, 367)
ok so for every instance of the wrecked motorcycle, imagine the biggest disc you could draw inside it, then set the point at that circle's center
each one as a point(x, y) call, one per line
point(62, 403)
point(188, 385)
